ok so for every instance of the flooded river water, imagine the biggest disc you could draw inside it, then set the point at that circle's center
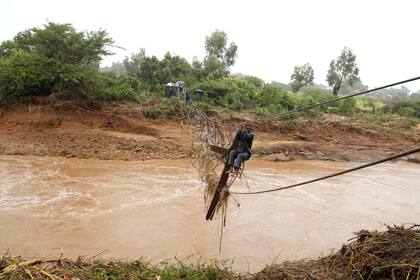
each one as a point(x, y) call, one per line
point(155, 209)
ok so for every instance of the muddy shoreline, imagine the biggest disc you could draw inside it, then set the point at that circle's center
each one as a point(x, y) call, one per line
point(120, 132)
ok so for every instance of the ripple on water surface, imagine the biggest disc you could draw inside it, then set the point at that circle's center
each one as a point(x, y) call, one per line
point(155, 208)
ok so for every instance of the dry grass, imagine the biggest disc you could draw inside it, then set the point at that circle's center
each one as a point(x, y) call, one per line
point(392, 254)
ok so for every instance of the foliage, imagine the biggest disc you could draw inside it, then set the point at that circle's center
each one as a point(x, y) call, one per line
point(214, 68)
point(257, 82)
point(280, 85)
point(302, 76)
point(274, 99)
point(404, 108)
point(62, 43)
point(55, 58)
point(219, 57)
point(343, 70)
point(21, 74)
point(163, 108)
point(230, 93)
point(132, 65)
point(154, 73)
point(385, 121)
point(111, 87)
point(156, 112)
point(216, 46)
point(198, 69)
point(347, 106)
point(368, 104)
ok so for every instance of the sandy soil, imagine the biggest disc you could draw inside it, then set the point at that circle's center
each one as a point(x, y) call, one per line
point(122, 132)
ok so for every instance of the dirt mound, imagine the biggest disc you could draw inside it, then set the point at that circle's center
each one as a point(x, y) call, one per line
point(392, 254)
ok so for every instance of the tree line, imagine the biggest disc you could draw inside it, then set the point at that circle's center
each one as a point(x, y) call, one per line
point(57, 59)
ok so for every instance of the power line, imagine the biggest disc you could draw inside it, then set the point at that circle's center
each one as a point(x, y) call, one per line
point(409, 152)
point(347, 96)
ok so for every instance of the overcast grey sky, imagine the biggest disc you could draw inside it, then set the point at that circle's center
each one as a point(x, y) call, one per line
point(273, 36)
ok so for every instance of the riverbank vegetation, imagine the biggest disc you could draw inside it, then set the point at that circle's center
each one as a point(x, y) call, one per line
point(390, 254)
point(57, 60)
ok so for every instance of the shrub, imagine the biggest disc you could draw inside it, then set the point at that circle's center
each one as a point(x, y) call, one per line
point(262, 112)
point(156, 112)
point(23, 74)
point(32, 65)
point(110, 87)
point(231, 93)
point(347, 106)
point(405, 108)
point(275, 99)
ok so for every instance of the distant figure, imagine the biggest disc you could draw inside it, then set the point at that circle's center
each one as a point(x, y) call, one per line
point(183, 91)
point(171, 90)
point(242, 152)
point(198, 94)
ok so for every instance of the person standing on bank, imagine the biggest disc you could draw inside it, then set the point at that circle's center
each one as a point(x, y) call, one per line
point(242, 152)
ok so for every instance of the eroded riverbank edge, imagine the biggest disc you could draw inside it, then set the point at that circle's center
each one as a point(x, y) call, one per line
point(390, 254)
point(121, 132)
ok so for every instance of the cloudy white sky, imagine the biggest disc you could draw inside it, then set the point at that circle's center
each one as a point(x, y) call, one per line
point(273, 36)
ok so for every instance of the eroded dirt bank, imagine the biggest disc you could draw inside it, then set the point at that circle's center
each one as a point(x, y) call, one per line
point(121, 132)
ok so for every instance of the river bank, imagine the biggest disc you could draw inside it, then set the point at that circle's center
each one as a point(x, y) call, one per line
point(121, 132)
point(391, 254)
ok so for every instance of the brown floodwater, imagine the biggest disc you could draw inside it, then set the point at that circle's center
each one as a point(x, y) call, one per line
point(154, 209)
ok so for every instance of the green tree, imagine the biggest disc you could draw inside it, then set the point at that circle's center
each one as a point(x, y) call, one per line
point(302, 76)
point(198, 69)
point(23, 74)
point(155, 73)
point(148, 72)
point(180, 68)
point(219, 55)
point(214, 68)
point(133, 64)
point(257, 82)
point(59, 57)
point(343, 70)
point(216, 46)
point(62, 43)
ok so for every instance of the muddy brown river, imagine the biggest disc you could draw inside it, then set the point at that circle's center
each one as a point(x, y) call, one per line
point(155, 210)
